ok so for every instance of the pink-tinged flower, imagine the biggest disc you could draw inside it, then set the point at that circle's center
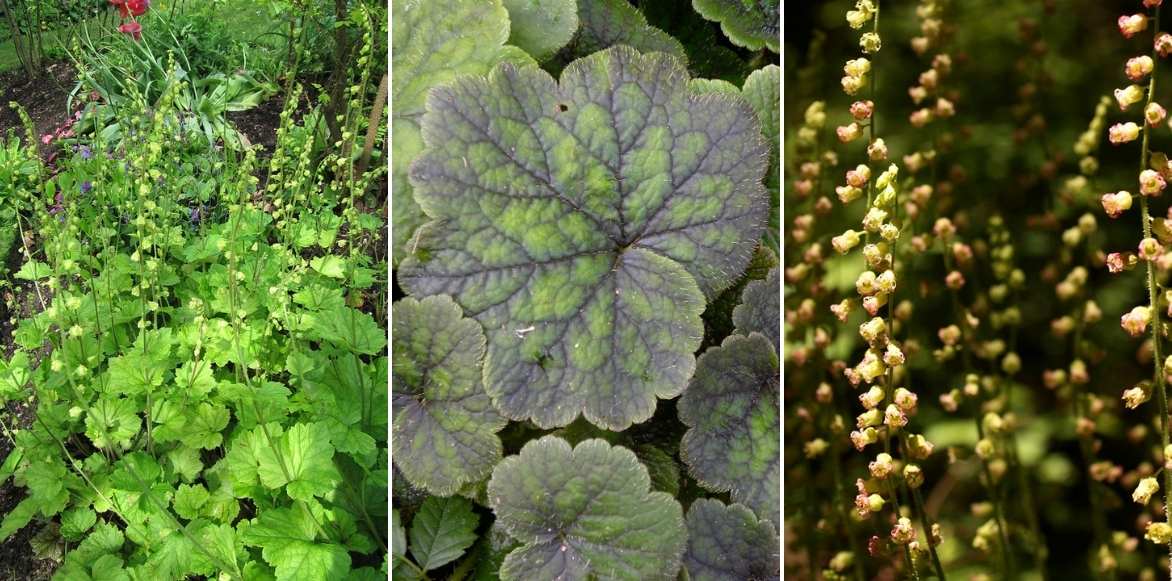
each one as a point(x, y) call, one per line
point(944, 228)
point(1123, 132)
point(1163, 44)
point(851, 85)
point(849, 133)
point(903, 532)
point(861, 110)
point(1150, 249)
point(945, 108)
point(1117, 203)
point(1130, 25)
point(1129, 96)
point(1154, 114)
point(841, 310)
point(859, 176)
point(1138, 67)
point(803, 187)
point(954, 280)
point(1151, 183)
point(844, 242)
point(1136, 321)
point(920, 117)
point(134, 29)
point(847, 194)
point(877, 151)
point(918, 94)
point(1118, 262)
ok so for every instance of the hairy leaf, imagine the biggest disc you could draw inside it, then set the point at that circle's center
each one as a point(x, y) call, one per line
point(763, 91)
point(442, 530)
point(582, 223)
point(760, 308)
point(749, 23)
point(542, 27)
point(732, 408)
point(444, 433)
point(728, 543)
point(433, 42)
point(584, 512)
point(607, 23)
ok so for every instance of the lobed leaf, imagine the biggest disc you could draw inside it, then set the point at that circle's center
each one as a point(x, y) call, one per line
point(542, 27)
point(584, 513)
point(732, 409)
point(749, 23)
point(444, 433)
point(728, 543)
point(582, 223)
point(433, 42)
point(760, 308)
point(763, 91)
point(607, 23)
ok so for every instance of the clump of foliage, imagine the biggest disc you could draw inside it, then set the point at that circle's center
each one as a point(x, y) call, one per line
point(585, 367)
point(207, 359)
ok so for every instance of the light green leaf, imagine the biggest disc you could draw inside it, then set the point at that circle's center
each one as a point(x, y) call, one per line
point(287, 538)
point(542, 27)
point(189, 500)
point(302, 462)
point(112, 422)
point(34, 270)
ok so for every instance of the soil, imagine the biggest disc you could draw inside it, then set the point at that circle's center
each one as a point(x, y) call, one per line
point(45, 98)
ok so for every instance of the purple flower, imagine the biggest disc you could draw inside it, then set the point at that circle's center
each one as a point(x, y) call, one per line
point(86, 187)
point(86, 153)
point(196, 215)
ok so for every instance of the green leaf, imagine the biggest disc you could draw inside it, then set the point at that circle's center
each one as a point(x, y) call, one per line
point(728, 543)
point(34, 270)
point(763, 91)
point(585, 513)
point(582, 224)
point(18, 517)
point(708, 57)
point(75, 522)
point(112, 422)
point(444, 433)
point(749, 23)
point(351, 329)
point(286, 537)
point(433, 42)
point(329, 265)
point(542, 27)
point(189, 500)
point(607, 23)
point(760, 308)
point(733, 410)
point(302, 461)
point(442, 530)
point(661, 467)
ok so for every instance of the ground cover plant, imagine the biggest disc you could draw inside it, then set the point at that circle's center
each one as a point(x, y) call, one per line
point(585, 348)
point(976, 291)
point(203, 355)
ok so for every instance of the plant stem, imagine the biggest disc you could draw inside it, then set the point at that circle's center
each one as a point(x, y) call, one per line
point(1153, 302)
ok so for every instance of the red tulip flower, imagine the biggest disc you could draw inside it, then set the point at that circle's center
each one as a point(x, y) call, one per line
point(138, 7)
point(132, 28)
